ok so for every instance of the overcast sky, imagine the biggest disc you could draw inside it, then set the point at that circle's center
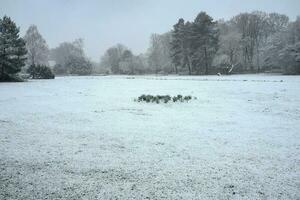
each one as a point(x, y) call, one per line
point(103, 23)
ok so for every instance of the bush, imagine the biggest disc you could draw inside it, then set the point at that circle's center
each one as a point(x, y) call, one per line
point(79, 66)
point(59, 70)
point(40, 72)
point(11, 78)
point(162, 98)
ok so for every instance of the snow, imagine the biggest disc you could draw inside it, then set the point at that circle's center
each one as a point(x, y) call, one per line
point(86, 138)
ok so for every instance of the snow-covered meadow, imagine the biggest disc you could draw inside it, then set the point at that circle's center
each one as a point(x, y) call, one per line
point(86, 138)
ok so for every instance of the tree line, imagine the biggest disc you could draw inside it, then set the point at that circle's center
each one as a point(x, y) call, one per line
point(247, 43)
point(31, 55)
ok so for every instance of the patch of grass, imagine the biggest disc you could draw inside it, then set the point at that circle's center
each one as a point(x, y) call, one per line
point(163, 98)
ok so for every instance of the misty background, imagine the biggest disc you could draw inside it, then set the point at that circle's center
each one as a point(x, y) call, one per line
point(105, 23)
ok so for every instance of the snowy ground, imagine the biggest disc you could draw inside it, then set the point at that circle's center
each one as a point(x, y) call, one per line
point(85, 138)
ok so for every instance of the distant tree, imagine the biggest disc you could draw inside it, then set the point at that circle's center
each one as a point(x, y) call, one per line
point(159, 53)
point(188, 51)
point(176, 44)
point(154, 53)
point(119, 59)
point(167, 64)
point(290, 59)
point(37, 48)
point(59, 69)
point(228, 55)
point(275, 23)
point(278, 52)
point(180, 45)
point(272, 48)
point(79, 65)
point(113, 57)
point(255, 28)
point(127, 54)
point(62, 53)
point(12, 49)
point(294, 31)
point(68, 57)
point(195, 44)
point(141, 64)
point(290, 55)
point(104, 66)
point(126, 63)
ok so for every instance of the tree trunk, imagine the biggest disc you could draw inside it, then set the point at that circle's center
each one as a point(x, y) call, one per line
point(32, 60)
point(189, 65)
point(2, 71)
point(176, 70)
point(258, 65)
point(132, 68)
point(206, 63)
point(231, 57)
point(245, 60)
point(2, 67)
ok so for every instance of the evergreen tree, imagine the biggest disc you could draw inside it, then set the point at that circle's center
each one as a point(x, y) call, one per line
point(12, 49)
point(177, 44)
point(187, 46)
point(181, 45)
point(40, 72)
point(204, 41)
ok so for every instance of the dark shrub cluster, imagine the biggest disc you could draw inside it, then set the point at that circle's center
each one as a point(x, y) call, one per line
point(11, 78)
point(60, 70)
point(162, 98)
point(40, 72)
point(181, 98)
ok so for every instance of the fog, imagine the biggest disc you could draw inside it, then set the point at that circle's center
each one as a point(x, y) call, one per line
point(104, 23)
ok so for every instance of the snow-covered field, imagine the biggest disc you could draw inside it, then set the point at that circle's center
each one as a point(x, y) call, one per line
point(86, 138)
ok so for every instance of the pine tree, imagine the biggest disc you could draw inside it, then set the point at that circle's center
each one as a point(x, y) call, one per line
point(12, 49)
point(177, 44)
point(187, 46)
point(204, 41)
point(181, 45)
point(40, 72)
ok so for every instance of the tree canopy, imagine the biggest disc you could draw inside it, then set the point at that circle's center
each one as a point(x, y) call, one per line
point(12, 49)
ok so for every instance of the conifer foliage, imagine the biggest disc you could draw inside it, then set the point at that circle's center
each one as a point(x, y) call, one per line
point(40, 72)
point(12, 50)
point(195, 44)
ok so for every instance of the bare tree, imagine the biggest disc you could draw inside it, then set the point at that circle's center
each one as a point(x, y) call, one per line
point(37, 48)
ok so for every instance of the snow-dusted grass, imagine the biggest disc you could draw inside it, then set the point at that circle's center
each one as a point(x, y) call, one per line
point(86, 138)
